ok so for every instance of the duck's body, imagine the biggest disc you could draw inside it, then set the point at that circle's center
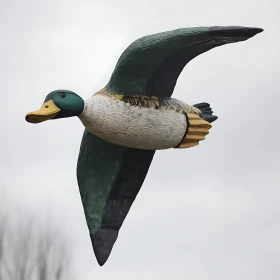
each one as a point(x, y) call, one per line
point(132, 126)
point(133, 116)
point(140, 122)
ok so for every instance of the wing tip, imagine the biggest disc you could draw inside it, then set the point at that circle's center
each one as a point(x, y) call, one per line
point(237, 32)
point(102, 243)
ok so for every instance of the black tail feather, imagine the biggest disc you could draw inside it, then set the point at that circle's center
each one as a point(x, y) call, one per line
point(206, 110)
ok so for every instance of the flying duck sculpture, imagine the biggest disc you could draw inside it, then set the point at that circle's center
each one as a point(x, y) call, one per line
point(130, 118)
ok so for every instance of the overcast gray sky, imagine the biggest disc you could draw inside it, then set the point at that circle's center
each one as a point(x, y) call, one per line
point(210, 212)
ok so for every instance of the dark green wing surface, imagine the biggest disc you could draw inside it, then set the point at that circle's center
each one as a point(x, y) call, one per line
point(109, 178)
point(151, 65)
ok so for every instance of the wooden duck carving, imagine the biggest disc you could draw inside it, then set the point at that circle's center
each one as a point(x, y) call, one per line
point(130, 118)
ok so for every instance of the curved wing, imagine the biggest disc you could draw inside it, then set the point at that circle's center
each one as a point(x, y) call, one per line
point(151, 65)
point(109, 178)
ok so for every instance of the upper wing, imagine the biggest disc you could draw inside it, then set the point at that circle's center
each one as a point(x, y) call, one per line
point(151, 65)
point(109, 178)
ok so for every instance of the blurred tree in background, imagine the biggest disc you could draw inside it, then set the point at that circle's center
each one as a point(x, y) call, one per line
point(29, 251)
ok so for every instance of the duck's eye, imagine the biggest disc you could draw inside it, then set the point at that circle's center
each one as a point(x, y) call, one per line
point(46, 106)
point(62, 95)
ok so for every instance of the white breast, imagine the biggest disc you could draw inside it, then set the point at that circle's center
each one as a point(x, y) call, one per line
point(142, 128)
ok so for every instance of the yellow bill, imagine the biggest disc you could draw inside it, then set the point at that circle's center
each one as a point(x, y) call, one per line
point(48, 111)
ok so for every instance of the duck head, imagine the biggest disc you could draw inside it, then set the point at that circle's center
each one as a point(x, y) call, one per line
point(58, 104)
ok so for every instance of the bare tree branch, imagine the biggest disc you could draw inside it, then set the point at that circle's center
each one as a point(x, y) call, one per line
point(31, 252)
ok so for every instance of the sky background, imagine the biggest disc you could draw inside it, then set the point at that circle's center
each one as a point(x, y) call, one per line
point(210, 212)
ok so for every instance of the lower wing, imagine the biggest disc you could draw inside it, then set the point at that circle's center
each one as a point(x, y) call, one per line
point(109, 178)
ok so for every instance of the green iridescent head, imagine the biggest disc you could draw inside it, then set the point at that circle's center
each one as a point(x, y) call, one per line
point(58, 104)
